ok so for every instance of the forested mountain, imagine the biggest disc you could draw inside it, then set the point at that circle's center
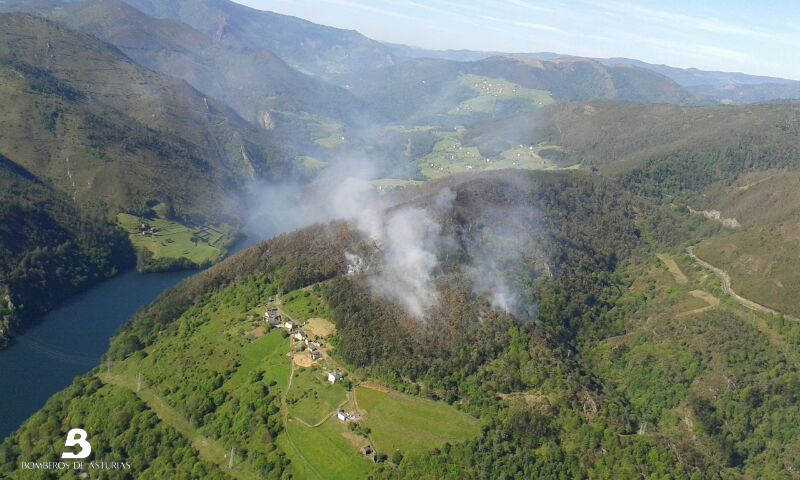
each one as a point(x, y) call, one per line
point(309, 47)
point(417, 89)
point(673, 147)
point(256, 83)
point(96, 134)
point(505, 265)
point(49, 249)
point(78, 112)
point(693, 77)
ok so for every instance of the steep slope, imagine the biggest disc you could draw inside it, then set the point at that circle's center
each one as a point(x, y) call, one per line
point(105, 128)
point(254, 82)
point(311, 48)
point(759, 235)
point(48, 248)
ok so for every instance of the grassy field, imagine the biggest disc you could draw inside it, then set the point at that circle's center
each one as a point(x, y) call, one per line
point(267, 353)
point(311, 397)
point(304, 304)
point(449, 156)
point(201, 245)
point(330, 449)
point(496, 96)
point(409, 424)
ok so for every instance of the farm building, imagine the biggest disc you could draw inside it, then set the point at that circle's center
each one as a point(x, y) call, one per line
point(342, 415)
point(334, 377)
point(273, 320)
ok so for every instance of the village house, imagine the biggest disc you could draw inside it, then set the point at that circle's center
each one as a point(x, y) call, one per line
point(301, 336)
point(273, 320)
point(314, 344)
point(315, 355)
point(288, 325)
point(342, 415)
point(334, 377)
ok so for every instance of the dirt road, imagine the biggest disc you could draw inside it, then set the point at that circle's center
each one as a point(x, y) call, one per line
point(725, 280)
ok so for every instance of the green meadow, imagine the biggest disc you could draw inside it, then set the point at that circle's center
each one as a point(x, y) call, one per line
point(304, 303)
point(311, 397)
point(202, 245)
point(496, 96)
point(328, 452)
point(412, 424)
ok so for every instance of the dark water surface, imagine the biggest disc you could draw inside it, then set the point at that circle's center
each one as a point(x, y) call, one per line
point(69, 341)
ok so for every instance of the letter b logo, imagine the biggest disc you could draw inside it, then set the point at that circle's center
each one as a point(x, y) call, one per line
point(77, 436)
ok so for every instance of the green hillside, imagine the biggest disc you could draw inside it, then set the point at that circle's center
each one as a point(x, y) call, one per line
point(49, 249)
point(65, 120)
point(419, 90)
point(255, 83)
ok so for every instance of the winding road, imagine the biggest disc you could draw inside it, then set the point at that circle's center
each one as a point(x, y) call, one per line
point(725, 280)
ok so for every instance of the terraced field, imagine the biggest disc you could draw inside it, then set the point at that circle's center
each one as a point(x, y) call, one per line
point(201, 245)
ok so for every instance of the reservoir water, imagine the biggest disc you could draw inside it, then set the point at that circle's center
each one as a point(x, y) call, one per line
point(69, 341)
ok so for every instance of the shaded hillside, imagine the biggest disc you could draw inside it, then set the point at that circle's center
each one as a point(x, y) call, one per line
point(49, 250)
point(79, 112)
point(254, 82)
point(419, 89)
point(311, 48)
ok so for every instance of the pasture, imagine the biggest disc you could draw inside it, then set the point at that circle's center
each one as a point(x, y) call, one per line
point(411, 424)
point(311, 398)
point(201, 245)
point(329, 451)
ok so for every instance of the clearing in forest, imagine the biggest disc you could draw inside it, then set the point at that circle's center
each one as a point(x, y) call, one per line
point(711, 300)
point(319, 327)
point(674, 269)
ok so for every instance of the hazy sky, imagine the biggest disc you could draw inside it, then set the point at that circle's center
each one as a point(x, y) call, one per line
point(758, 37)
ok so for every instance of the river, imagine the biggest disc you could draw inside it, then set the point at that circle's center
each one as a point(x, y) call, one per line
point(69, 340)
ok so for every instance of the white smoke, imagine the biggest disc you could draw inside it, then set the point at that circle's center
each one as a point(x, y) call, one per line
point(407, 237)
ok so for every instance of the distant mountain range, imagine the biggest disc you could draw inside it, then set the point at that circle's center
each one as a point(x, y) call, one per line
point(245, 41)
